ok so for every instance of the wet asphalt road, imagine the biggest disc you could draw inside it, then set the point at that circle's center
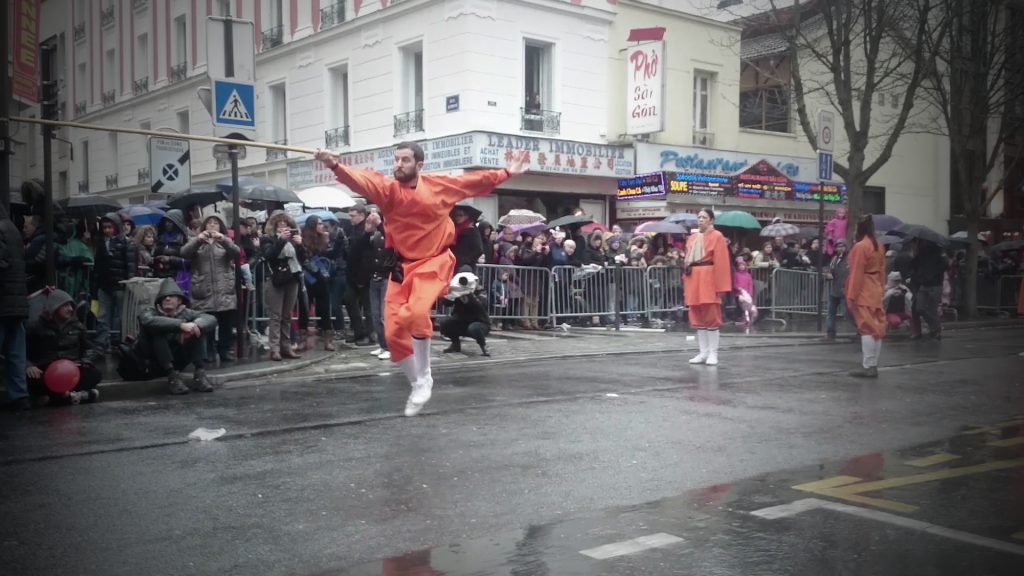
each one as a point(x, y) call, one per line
point(517, 468)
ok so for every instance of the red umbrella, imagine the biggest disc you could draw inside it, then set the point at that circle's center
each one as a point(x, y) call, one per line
point(593, 227)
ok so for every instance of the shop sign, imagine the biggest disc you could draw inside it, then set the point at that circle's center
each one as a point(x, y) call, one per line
point(482, 150)
point(643, 186)
point(688, 159)
point(763, 181)
point(637, 212)
point(645, 91)
point(700, 184)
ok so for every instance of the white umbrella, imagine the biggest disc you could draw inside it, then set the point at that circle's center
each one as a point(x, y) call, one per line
point(326, 197)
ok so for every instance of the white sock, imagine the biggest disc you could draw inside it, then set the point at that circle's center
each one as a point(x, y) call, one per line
point(408, 366)
point(712, 338)
point(876, 352)
point(421, 352)
point(867, 349)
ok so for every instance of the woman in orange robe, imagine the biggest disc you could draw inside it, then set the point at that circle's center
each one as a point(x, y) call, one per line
point(416, 208)
point(865, 286)
point(706, 277)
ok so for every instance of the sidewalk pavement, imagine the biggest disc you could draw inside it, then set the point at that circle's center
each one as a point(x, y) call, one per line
point(504, 347)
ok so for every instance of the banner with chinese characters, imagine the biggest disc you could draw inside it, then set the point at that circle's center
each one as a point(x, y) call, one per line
point(482, 150)
point(642, 186)
point(25, 77)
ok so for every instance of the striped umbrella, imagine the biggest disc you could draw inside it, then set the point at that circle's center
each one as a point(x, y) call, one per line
point(780, 229)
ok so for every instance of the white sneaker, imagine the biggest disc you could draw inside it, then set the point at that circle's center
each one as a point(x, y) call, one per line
point(377, 352)
point(418, 397)
point(385, 355)
point(699, 358)
point(712, 360)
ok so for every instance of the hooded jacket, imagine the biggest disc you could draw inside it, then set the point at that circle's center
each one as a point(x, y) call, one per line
point(272, 244)
point(167, 258)
point(115, 258)
point(13, 282)
point(48, 340)
point(212, 265)
point(153, 322)
point(593, 255)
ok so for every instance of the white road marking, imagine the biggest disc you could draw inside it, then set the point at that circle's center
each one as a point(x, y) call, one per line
point(794, 508)
point(633, 546)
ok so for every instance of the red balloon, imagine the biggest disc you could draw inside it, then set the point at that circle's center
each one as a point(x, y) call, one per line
point(61, 376)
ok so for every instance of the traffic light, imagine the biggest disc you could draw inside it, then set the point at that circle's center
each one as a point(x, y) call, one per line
point(48, 92)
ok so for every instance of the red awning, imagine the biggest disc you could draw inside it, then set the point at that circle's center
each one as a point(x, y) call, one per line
point(646, 34)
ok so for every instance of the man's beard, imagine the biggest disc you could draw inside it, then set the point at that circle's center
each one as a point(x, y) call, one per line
point(406, 177)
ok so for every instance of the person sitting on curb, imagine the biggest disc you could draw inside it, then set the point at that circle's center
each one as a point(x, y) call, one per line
point(57, 334)
point(172, 336)
point(469, 314)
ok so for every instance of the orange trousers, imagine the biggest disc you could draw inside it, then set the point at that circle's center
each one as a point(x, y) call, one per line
point(407, 305)
point(706, 316)
point(870, 320)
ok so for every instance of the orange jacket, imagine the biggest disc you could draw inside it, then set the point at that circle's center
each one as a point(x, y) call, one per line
point(865, 282)
point(704, 284)
point(418, 219)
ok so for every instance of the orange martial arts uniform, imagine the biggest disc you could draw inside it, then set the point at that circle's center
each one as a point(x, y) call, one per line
point(865, 285)
point(420, 232)
point(706, 281)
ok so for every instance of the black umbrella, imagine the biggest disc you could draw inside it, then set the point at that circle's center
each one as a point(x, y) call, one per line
point(88, 206)
point(1008, 245)
point(255, 190)
point(916, 231)
point(193, 196)
point(570, 221)
point(473, 212)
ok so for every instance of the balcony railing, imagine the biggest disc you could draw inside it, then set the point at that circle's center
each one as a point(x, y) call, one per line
point(332, 15)
point(81, 108)
point(409, 123)
point(107, 16)
point(78, 32)
point(83, 186)
point(273, 37)
point(704, 138)
point(139, 5)
point(336, 137)
point(179, 72)
point(277, 154)
point(143, 175)
point(537, 120)
point(111, 181)
point(140, 86)
point(108, 97)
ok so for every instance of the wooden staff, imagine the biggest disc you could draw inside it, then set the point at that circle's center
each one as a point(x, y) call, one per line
point(158, 134)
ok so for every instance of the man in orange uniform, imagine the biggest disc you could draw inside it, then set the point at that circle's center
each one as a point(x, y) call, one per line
point(864, 290)
point(706, 278)
point(416, 208)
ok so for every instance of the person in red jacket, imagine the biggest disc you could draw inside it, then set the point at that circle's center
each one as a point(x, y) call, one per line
point(421, 233)
point(865, 286)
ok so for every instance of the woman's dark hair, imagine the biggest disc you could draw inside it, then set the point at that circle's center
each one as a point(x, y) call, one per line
point(312, 240)
point(866, 229)
point(709, 212)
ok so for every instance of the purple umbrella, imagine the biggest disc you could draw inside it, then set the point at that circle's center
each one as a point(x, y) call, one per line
point(884, 222)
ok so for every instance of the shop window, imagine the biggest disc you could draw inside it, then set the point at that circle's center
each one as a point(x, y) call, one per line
point(874, 200)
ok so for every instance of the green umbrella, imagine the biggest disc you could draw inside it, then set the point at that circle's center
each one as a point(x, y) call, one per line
point(737, 219)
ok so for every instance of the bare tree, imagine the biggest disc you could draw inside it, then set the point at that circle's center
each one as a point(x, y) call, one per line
point(977, 83)
point(848, 53)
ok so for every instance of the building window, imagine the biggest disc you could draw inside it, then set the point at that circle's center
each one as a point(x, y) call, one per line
point(84, 147)
point(410, 120)
point(180, 41)
point(274, 35)
point(109, 70)
point(702, 101)
point(278, 109)
point(142, 56)
point(183, 122)
point(223, 7)
point(874, 200)
point(82, 81)
point(337, 113)
point(538, 113)
point(114, 155)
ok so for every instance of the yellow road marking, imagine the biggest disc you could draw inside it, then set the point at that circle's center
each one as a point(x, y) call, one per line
point(843, 488)
point(1018, 535)
point(995, 427)
point(1007, 442)
point(940, 458)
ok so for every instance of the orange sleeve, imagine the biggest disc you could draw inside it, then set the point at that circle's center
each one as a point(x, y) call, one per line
point(855, 276)
point(367, 183)
point(720, 260)
point(454, 189)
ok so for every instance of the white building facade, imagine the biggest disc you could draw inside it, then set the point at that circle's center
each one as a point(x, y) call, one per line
point(472, 80)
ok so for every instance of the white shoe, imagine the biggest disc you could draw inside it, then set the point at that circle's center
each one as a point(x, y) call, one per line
point(699, 358)
point(712, 360)
point(385, 355)
point(419, 396)
point(377, 352)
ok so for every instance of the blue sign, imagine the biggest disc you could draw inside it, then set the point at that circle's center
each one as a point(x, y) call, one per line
point(234, 104)
point(824, 165)
point(451, 103)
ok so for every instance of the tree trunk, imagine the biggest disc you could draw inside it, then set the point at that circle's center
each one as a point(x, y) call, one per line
point(854, 194)
point(970, 300)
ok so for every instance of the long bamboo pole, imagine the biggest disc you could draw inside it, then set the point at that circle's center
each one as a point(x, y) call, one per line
point(159, 134)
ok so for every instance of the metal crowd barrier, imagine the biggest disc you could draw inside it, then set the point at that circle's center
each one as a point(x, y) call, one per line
point(796, 292)
point(139, 294)
point(1000, 296)
point(664, 290)
point(514, 292)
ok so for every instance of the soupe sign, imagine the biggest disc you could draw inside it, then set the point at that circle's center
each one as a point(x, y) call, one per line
point(645, 93)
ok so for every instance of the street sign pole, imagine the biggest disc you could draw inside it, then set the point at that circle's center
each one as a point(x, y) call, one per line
point(821, 248)
point(826, 139)
point(240, 319)
point(48, 75)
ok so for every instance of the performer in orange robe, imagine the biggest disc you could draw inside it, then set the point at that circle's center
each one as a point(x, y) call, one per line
point(416, 208)
point(705, 278)
point(865, 286)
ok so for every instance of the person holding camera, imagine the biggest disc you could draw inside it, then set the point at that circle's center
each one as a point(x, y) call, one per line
point(211, 256)
point(283, 253)
point(317, 266)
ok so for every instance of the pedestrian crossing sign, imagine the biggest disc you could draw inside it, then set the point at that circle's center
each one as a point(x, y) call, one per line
point(234, 104)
